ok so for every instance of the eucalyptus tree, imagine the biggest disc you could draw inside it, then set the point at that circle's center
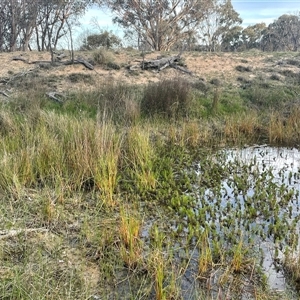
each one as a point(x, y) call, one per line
point(10, 24)
point(220, 19)
point(252, 35)
point(47, 20)
point(232, 39)
point(4, 25)
point(55, 20)
point(286, 29)
point(159, 23)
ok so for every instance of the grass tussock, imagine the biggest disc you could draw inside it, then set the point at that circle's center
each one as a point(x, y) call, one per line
point(139, 159)
point(131, 246)
point(103, 56)
point(291, 265)
point(60, 150)
point(284, 129)
point(170, 98)
point(246, 126)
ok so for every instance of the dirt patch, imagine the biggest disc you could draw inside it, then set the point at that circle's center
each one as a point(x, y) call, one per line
point(64, 78)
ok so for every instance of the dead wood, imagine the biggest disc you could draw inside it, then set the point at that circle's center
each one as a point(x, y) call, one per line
point(41, 62)
point(184, 70)
point(134, 67)
point(57, 97)
point(60, 56)
point(161, 63)
point(59, 62)
point(20, 58)
point(4, 234)
point(4, 94)
point(85, 63)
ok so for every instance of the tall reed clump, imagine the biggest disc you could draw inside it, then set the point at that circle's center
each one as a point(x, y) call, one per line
point(292, 267)
point(158, 262)
point(239, 260)
point(120, 102)
point(105, 166)
point(170, 98)
point(245, 126)
point(130, 246)
point(205, 254)
point(284, 129)
point(163, 271)
point(60, 151)
point(139, 156)
point(31, 153)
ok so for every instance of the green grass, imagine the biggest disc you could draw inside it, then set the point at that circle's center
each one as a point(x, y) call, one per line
point(117, 207)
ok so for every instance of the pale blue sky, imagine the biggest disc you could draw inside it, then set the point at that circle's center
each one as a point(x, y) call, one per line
point(267, 11)
point(251, 12)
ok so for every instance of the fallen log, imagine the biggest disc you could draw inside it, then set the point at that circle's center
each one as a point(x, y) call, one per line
point(40, 62)
point(55, 96)
point(57, 63)
point(20, 58)
point(4, 94)
point(4, 234)
point(184, 70)
point(161, 63)
point(85, 63)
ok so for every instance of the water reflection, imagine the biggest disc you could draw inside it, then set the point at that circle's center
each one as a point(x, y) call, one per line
point(282, 168)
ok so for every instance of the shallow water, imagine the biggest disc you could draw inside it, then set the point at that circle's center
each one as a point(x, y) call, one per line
point(284, 167)
point(249, 194)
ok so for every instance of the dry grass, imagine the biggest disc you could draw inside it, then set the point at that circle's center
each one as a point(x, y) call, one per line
point(203, 65)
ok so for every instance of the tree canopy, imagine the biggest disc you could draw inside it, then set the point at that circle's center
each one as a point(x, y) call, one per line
point(219, 20)
point(103, 39)
point(210, 25)
point(159, 23)
point(42, 21)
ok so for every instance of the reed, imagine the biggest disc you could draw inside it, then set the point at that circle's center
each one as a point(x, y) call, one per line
point(131, 248)
point(205, 254)
point(139, 157)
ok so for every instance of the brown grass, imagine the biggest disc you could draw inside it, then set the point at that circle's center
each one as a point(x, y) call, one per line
point(203, 65)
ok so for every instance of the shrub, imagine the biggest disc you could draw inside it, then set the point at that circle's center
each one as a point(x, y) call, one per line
point(263, 96)
point(103, 56)
point(293, 62)
point(275, 77)
point(80, 77)
point(243, 68)
point(112, 65)
point(120, 101)
point(168, 98)
point(215, 81)
point(201, 85)
point(104, 39)
point(243, 80)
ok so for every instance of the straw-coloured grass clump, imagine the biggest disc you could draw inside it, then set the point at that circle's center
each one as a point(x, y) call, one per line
point(170, 98)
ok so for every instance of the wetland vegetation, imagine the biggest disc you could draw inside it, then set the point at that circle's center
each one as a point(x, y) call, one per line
point(154, 191)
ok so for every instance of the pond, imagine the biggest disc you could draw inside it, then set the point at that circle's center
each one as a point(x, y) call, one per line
point(231, 230)
point(247, 206)
point(283, 166)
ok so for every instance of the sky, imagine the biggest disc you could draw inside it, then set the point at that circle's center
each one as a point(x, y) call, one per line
point(251, 11)
point(257, 11)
